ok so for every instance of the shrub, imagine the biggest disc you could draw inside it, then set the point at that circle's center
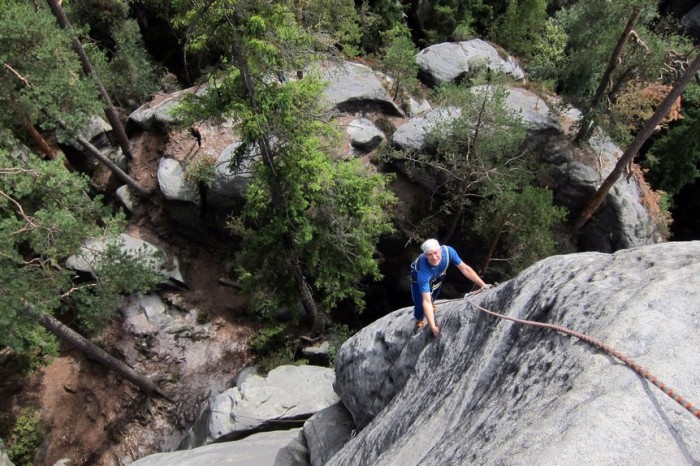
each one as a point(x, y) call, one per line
point(25, 438)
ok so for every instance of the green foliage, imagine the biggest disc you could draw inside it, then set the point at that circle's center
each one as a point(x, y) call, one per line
point(45, 215)
point(589, 48)
point(203, 317)
point(262, 305)
point(100, 15)
point(674, 158)
point(524, 221)
point(302, 207)
point(521, 26)
point(201, 170)
point(41, 78)
point(375, 18)
point(129, 76)
point(336, 23)
point(339, 334)
point(399, 61)
point(25, 438)
point(269, 339)
point(448, 20)
point(548, 56)
point(274, 347)
point(116, 50)
point(485, 176)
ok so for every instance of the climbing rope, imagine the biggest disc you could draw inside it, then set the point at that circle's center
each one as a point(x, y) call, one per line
point(598, 344)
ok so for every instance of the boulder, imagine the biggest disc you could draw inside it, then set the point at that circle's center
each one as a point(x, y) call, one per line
point(262, 403)
point(451, 61)
point(531, 108)
point(171, 180)
point(364, 136)
point(326, 432)
point(90, 255)
point(131, 201)
point(411, 135)
point(496, 391)
point(148, 314)
point(622, 221)
point(354, 87)
point(258, 449)
point(691, 21)
point(4, 459)
point(157, 115)
point(230, 185)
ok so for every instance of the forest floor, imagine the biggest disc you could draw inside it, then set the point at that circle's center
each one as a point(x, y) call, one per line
point(94, 418)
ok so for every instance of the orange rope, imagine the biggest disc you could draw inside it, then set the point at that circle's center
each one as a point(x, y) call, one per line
point(599, 344)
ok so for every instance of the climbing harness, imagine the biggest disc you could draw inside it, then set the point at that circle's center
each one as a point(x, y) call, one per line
point(436, 283)
point(598, 344)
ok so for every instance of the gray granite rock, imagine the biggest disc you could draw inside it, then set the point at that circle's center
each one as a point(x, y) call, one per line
point(493, 391)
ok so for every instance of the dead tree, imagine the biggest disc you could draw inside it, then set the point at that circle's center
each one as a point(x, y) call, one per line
point(631, 152)
point(613, 63)
point(92, 351)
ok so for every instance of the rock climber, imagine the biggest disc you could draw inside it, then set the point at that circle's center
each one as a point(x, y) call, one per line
point(427, 274)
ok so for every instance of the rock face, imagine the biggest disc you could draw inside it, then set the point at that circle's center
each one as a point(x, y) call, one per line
point(622, 221)
point(262, 403)
point(491, 391)
point(4, 460)
point(258, 449)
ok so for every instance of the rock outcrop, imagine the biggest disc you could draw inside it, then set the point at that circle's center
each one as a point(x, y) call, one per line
point(491, 391)
point(89, 257)
point(450, 61)
point(288, 393)
point(258, 449)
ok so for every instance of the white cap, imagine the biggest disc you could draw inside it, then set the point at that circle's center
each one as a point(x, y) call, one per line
point(430, 245)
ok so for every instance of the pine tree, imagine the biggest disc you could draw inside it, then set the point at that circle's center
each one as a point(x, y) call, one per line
point(310, 222)
point(45, 216)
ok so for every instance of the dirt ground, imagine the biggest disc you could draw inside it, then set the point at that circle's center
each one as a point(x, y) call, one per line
point(93, 417)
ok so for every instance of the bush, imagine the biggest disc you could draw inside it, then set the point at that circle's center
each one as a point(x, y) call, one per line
point(269, 339)
point(339, 335)
point(201, 170)
point(25, 438)
point(275, 348)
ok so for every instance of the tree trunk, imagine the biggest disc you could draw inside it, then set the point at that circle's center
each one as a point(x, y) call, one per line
point(85, 346)
point(612, 64)
point(492, 246)
point(121, 174)
point(110, 111)
point(276, 191)
point(43, 145)
point(141, 191)
point(629, 154)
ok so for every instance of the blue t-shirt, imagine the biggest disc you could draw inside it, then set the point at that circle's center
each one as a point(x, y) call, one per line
point(428, 274)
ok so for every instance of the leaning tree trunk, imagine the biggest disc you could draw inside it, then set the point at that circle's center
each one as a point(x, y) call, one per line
point(43, 145)
point(110, 111)
point(629, 154)
point(121, 174)
point(85, 346)
point(141, 191)
point(612, 64)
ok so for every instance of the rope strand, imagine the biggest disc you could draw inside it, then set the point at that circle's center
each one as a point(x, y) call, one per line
point(608, 349)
